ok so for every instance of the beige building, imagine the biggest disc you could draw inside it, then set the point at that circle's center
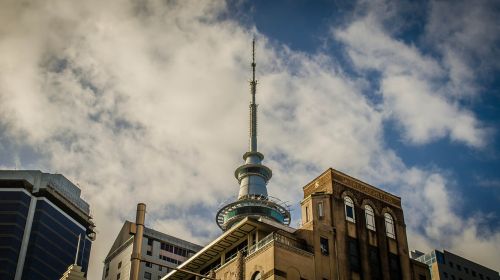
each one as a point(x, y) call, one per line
point(350, 230)
point(159, 252)
point(448, 266)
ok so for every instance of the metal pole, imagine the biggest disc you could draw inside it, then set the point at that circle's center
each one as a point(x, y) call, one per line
point(137, 247)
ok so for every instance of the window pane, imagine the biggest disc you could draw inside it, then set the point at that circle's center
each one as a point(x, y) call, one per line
point(370, 218)
point(349, 209)
point(324, 246)
point(389, 226)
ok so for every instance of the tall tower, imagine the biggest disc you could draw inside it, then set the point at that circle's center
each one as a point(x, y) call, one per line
point(253, 176)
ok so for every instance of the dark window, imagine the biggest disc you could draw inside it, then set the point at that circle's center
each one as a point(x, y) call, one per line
point(279, 273)
point(445, 275)
point(117, 276)
point(349, 209)
point(440, 257)
point(149, 253)
point(211, 266)
point(353, 251)
point(119, 265)
point(451, 264)
point(459, 268)
point(394, 268)
point(466, 270)
point(452, 277)
point(148, 264)
point(323, 242)
point(374, 260)
point(474, 273)
point(480, 276)
point(150, 242)
point(487, 278)
point(160, 268)
point(421, 277)
point(147, 275)
point(232, 253)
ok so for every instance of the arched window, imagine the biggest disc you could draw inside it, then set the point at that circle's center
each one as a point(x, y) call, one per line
point(389, 226)
point(256, 276)
point(370, 217)
point(349, 209)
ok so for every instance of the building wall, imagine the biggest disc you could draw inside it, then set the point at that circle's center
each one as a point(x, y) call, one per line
point(151, 253)
point(458, 268)
point(14, 205)
point(51, 237)
point(53, 243)
point(448, 266)
point(120, 264)
point(359, 252)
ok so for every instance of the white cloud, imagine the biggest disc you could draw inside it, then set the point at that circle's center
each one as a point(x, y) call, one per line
point(414, 86)
point(148, 102)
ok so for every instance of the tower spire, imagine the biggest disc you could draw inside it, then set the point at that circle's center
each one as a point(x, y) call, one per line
point(252, 176)
point(253, 105)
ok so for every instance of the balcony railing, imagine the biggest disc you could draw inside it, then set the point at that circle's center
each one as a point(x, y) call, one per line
point(272, 237)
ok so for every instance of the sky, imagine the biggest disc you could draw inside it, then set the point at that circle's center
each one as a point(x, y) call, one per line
point(147, 101)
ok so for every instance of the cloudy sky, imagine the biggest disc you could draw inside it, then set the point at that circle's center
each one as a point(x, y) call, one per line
point(148, 101)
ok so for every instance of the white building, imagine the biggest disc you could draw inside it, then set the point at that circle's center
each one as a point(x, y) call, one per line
point(157, 248)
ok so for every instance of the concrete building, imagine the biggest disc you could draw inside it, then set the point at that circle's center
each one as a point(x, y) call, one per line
point(349, 230)
point(446, 265)
point(159, 251)
point(42, 217)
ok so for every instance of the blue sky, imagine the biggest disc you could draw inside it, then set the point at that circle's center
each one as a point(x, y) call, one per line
point(148, 101)
point(302, 26)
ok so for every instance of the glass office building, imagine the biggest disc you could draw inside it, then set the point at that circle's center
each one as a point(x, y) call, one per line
point(42, 222)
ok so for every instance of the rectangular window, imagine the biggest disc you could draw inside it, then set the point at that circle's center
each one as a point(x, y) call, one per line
point(149, 253)
point(452, 277)
point(321, 214)
point(480, 276)
point(459, 268)
point(349, 212)
point(119, 265)
point(118, 276)
point(474, 273)
point(374, 260)
point(466, 270)
point(370, 220)
point(147, 275)
point(307, 214)
point(160, 268)
point(148, 264)
point(421, 277)
point(353, 254)
point(150, 242)
point(451, 264)
point(323, 242)
point(440, 257)
point(394, 267)
point(445, 275)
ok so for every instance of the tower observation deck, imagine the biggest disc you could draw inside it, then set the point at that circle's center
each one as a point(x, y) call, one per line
point(253, 200)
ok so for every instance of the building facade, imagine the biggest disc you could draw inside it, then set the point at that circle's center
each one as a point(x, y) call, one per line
point(349, 230)
point(446, 265)
point(159, 252)
point(42, 217)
